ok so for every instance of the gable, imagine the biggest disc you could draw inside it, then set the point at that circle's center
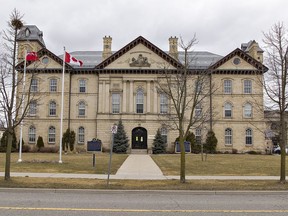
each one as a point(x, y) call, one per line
point(45, 62)
point(236, 63)
point(139, 54)
point(139, 57)
point(239, 60)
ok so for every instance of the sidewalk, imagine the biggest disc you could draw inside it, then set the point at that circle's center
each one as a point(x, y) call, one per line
point(140, 167)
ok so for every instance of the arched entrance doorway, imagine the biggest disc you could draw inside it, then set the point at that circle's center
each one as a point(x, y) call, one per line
point(139, 138)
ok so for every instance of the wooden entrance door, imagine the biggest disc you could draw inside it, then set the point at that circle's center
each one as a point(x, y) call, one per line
point(139, 138)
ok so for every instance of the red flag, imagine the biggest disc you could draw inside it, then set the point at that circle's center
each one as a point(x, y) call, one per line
point(32, 56)
point(70, 59)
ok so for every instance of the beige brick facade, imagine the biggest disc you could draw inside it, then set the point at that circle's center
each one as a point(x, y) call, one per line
point(121, 73)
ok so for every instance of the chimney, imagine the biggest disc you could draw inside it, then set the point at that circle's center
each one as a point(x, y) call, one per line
point(173, 47)
point(107, 41)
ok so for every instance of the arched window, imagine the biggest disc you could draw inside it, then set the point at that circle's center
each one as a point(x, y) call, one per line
point(140, 101)
point(228, 136)
point(164, 134)
point(248, 137)
point(51, 135)
point(228, 110)
point(52, 108)
point(247, 110)
point(81, 135)
point(32, 134)
point(81, 108)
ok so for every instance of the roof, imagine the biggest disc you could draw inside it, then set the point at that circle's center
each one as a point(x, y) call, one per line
point(201, 59)
point(31, 33)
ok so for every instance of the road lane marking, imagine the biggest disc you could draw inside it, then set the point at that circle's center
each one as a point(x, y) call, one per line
point(146, 210)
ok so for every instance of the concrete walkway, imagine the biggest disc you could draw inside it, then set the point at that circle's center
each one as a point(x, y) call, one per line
point(137, 167)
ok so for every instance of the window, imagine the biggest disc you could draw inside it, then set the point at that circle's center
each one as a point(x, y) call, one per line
point(227, 110)
point(227, 86)
point(198, 86)
point(163, 104)
point(115, 103)
point(228, 136)
point(247, 110)
point(45, 60)
point(198, 110)
point(34, 85)
point(81, 135)
point(51, 135)
point(247, 86)
point(82, 86)
point(248, 137)
point(164, 134)
point(52, 108)
point(81, 108)
point(140, 101)
point(198, 136)
point(53, 85)
point(32, 134)
point(32, 108)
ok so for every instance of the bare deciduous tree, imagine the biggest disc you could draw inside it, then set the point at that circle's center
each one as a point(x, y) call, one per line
point(275, 82)
point(188, 91)
point(11, 100)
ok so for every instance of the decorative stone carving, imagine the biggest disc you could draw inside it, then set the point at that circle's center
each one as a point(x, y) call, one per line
point(141, 61)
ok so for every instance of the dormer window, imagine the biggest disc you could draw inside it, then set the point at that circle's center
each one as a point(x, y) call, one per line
point(27, 32)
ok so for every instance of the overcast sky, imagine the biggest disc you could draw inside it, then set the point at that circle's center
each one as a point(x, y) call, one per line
point(220, 25)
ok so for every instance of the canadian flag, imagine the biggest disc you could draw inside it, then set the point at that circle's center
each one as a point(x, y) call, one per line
point(70, 59)
point(32, 56)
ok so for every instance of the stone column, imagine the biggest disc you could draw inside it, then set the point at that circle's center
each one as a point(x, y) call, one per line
point(124, 105)
point(107, 99)
point(155, 104)
point(131, 101)
point(148, 96)
point(101, 97)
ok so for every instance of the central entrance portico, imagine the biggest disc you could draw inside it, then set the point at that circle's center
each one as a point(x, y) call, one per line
point(139, 138)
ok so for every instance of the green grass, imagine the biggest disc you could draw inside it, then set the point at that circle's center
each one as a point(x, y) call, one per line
point(72, 163)
point(60, 183)
point(221, 164)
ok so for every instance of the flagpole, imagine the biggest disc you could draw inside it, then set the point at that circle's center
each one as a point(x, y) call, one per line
point(22, 108)
point(62, 108)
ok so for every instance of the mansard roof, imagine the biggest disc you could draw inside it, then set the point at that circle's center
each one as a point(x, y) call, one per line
point(132, 44)
point(30, 33)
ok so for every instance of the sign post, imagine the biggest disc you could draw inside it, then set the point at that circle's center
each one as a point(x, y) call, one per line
point(94, 146)
point(114, 131)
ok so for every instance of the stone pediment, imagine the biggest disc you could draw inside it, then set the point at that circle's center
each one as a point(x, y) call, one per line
point(139, 53)
point(47, 61)
point(238, 60)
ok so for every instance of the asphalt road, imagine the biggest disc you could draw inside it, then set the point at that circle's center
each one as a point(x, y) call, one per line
point(22, 202)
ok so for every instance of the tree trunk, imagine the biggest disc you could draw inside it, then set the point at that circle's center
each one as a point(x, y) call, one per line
point(8, 156)
point(283, 141)
point(182, 160)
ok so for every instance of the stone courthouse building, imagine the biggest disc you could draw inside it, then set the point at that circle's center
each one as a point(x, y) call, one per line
point(113, 85)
